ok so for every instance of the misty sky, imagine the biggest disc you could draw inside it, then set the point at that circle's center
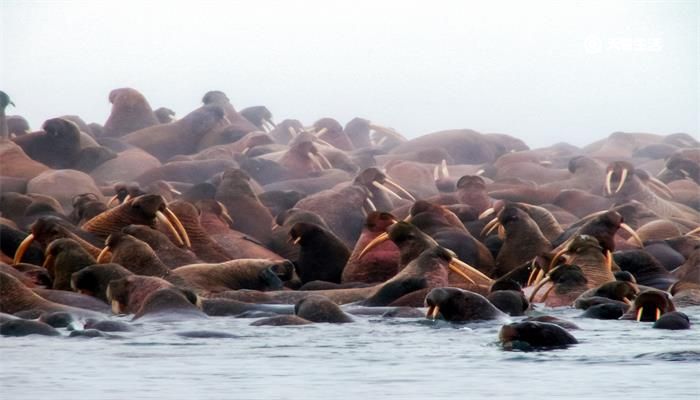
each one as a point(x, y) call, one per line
point(543, 71)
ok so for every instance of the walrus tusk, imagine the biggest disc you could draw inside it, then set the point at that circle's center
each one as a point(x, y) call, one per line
point(662, 187)
point(432, 313)
point(381, 141)
point(112, 200)
point(489, 227)
point(539, 276)
point(480, 172)
point(459, 272)
point(622, 180)
point(296, 241)
point(387, 131)
point(639, 313)
point(546, 294)
point(535, 270)
point(658, 314)
point(501, 232)
point(386, 189)
point(227, 218)
point(561, 252)
point(445, 171)
point(325, 160)
point(180, 228)
point(292, 131)
point(471, 269)
point(436, 173)
point(399, 188)
point(48, 261)
point(663, 171)
point(102, 257)
point(627, 301)
point(694, 231)
point(271, 122)
point(538, 287)
point(633, 233)
point(315, 161)
point(116, 307)
point(608, 178)
point(320, 132)
point(608, 260)
point(487, 212)
point(164, 220)
point(370, 204)
point(374, 243)
point(19, 253)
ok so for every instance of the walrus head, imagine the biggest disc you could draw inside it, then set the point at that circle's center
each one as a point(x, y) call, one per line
point(143, 210)
point(649, 306)
point(47, 229)
point(618, 174)
point(373, 178)
point(459, 305)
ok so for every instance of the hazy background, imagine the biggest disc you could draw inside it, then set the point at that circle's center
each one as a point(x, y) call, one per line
point(542, 71)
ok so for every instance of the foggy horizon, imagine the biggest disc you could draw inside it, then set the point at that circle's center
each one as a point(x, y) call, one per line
point(545, 72)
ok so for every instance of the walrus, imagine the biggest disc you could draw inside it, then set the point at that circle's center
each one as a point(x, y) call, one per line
point(281, 320)
point(534, 336)
point(166, 251)
point(457, 305)
point(15, 297)
point(249, 215)
point(317, 308)
point(251, 274)
point(180, 137)
point(127, 295)
point(136, 256)
point(322, 256)
point(21, 327)
point(63, 258)
point(130, 112)
point(168, 304)
point(674, 320)
point(77, 300)
point(649, 306)
point(150, 210)
point(94, 279)
point(379, 264)
point(229, 307)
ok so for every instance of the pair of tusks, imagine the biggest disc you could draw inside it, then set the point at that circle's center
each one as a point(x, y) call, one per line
point(681, 170)
point(694, 231)
point(268, 125)
point(320, 132)
point(456, 265)
point(441, 171)
point(538, 273)
point(116, 198)
point(493, 224)
point(387, 131)
point(433, 312)
point(660, 188)
point(391, 187)
point(641, 310)
point(368, 206)
point(323, 164)
point(608, 181)
point(172, 222)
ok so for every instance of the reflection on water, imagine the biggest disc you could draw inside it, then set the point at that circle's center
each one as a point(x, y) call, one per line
point(371, 358)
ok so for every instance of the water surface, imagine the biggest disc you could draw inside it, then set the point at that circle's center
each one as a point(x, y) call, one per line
point(371, 358)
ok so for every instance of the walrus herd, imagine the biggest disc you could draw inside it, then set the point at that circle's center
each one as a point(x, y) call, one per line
point(226, 213)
